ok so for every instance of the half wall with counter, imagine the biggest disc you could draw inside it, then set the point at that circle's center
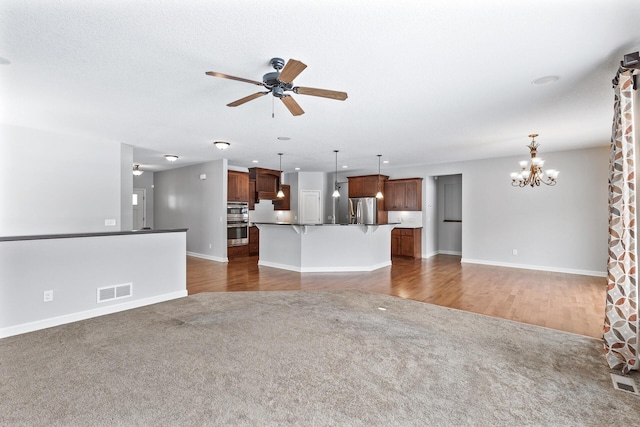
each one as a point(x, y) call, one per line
point(325, 247)
point(49, 280)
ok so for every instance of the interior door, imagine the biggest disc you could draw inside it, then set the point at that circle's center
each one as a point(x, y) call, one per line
point(310, 207)
point(139, 214)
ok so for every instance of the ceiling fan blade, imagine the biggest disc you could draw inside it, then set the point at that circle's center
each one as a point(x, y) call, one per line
point(247, 99)
point(292, 105)
point(291, 70)
point(333, 94)
point(227, 76)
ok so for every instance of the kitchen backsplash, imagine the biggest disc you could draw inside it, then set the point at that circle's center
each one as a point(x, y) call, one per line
point(406, 218)
point(264, 212)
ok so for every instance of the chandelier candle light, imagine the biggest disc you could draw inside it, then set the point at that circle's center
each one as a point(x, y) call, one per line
point(531, 173)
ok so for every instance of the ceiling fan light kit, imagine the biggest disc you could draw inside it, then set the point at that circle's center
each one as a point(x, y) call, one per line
point(279, 82)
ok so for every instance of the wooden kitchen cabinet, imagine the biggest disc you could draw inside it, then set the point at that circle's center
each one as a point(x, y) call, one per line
point(267, 183)
point(283, 204)
point(254, 241)
point(366, 185)
point(252, 194)
point(406, 242)
point(237, 251)
point(403, 194)
point(237, 186)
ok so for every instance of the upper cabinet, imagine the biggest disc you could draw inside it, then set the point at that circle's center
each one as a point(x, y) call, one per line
point(237, 186)
point(366, 185)
point(403, 194)
point(267, 182)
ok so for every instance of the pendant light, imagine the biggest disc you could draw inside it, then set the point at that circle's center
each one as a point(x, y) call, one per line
point(136, 170)
point(379, 193)
point(336, 193)
point(280, 194)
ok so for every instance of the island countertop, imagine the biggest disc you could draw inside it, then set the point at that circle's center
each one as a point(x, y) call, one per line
point(324, 247)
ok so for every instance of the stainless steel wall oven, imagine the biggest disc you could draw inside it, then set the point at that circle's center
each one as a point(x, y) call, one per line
point(237, 223)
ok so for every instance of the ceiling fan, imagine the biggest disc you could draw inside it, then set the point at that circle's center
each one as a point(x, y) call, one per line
point(279, 82)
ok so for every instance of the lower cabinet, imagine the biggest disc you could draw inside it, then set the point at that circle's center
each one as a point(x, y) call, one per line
point(406, 242)
point(254, 241)
point(237, 251)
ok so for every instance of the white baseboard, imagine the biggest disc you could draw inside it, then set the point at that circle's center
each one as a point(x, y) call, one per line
point(434, 253)
point(322, 269)
point(209, 257)
point(82, 315)
point(536, 267)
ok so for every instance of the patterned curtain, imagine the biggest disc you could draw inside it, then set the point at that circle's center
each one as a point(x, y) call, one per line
point(621, 316)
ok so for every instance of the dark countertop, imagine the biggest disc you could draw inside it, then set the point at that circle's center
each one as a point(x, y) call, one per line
point(315, 225)
point(98, 234)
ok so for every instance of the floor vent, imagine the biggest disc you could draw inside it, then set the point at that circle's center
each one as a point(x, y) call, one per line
point(624, 384)
point(110, 293)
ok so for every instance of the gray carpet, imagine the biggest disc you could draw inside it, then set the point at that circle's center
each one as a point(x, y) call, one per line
point(311, 358)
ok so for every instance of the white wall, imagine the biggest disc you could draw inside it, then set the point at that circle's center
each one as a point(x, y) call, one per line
point(52, 183)
point(561, 228)
point(183, 200)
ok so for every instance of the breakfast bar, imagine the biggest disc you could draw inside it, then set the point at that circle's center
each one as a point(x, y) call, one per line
point(325, 247)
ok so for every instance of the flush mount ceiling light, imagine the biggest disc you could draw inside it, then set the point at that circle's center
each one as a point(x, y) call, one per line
point(379, 193)
point(336, 193)
point(221, 145)
point(280, 194)
point(137, 171)
point(532, 173)
point(171, 157)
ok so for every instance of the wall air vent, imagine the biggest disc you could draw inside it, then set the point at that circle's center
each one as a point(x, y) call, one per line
point(110, 293)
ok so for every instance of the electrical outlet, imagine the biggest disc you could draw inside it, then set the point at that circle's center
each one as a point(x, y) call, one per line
point(109, 222)
point(209, 245)
point(47, 296)
point(514, 252)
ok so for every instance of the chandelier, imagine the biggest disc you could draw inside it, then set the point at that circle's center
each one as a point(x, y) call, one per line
point(531, 173)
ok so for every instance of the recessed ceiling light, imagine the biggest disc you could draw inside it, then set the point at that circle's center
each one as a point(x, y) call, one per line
point(254, 161)
point(545, 80)
point(385, 161)
point(297, 169)
point(284, 138)
point(344, 166)
point(4, 61)
point(171, 157)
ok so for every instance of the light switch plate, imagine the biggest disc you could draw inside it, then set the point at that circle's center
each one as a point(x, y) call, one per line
point(109, 222)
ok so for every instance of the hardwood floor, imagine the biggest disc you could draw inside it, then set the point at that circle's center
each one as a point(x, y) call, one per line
point(566, 302)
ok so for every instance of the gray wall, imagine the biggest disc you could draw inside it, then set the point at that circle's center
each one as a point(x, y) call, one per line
point(145, 181)
point(126, 187)
point(561, 228)
point(52, 183)
point(183, 200)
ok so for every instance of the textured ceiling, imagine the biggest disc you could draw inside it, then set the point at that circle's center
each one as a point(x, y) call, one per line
point(428, 82)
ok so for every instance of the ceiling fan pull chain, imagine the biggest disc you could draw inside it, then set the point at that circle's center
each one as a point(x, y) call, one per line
point(273, 107)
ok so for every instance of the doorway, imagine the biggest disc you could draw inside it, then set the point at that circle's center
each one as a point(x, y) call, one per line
point(449, 214)
point(139, 208)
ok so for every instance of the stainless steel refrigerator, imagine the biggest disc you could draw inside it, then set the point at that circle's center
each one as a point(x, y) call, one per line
point(363, 210)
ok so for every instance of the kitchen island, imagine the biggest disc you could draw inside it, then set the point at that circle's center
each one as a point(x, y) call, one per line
point(325, 247)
